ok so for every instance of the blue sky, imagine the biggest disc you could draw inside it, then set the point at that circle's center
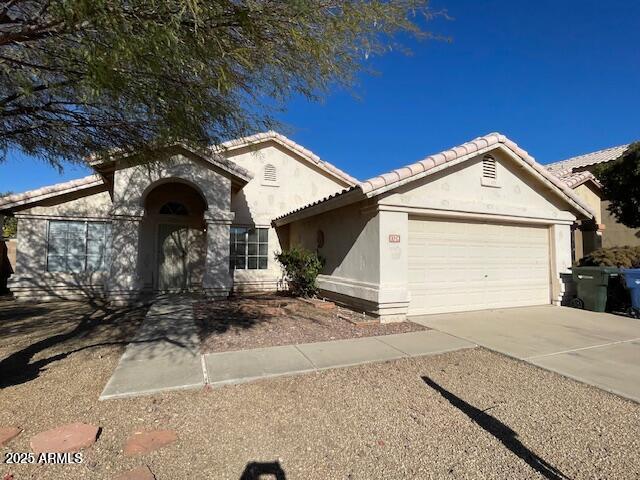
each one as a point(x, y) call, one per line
point(560, 78)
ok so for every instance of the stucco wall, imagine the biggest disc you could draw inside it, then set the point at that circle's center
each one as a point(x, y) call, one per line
point(134, 230)
point(350, 242)
point(133, 182)
point(592, 198)
point(31, 280)
point(298, 183)
point(367, 263)
point(459, 188)
point(616, 234)
point(259, 202)
point(92, 205)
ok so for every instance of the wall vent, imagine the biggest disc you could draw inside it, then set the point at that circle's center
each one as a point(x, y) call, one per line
point(270, 173)
point(489, 167)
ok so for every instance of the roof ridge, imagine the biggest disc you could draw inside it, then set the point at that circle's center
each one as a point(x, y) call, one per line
point(434, 160)
point(399, 176)
point(595, 154)
point(292, 145)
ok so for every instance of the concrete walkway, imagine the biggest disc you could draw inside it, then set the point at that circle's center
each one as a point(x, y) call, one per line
point(246, 365)
point(165, 354)
point(600, 349)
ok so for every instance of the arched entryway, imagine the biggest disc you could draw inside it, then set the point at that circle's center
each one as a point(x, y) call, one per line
point(174, 231)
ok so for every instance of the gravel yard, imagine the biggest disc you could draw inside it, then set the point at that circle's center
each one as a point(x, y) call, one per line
point(272, 320)
point(467, 414)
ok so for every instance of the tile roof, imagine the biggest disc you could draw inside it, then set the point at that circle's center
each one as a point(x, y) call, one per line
point(220, 161)
point(395, 178)
point(575, 179)
point(11, 201)
point(207, 155)
point(291, 145)
point(593, 158)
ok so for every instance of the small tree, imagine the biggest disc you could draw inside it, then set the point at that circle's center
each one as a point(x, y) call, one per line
point(621, 186)
point(79, 77)
point(301, 268)
point(10, 227)
point(623, 257)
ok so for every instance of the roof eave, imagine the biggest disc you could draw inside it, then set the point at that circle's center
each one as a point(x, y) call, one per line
point(238, 175)
point(342, 199)
point(33, 197)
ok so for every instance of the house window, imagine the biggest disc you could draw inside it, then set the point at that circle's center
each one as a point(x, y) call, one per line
point(173, 208)
point(489, 167)
point(77, 246)
point(249, 248)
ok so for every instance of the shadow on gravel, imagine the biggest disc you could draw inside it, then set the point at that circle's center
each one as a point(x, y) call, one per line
point(501, 432)
point(63, 332)
point(256, 470)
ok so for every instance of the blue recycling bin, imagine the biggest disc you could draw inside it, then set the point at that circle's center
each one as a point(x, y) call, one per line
point(632, 281)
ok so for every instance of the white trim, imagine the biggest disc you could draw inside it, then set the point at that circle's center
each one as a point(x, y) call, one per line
point(72, 217)
point(463, 214)
point(381, 295)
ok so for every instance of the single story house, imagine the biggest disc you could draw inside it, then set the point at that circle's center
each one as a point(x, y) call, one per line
point(479, 226)
point(605, 231)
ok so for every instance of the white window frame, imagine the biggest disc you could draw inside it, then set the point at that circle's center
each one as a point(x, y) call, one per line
point(85, 255)
point(233, 251)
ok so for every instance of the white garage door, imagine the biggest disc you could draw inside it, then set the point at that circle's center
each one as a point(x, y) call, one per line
point(460, 266)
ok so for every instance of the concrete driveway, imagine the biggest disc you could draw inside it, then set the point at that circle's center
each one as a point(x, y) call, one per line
point(596, 348)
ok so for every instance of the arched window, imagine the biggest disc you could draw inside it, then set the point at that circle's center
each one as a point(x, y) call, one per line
point(173, 208)
point(270, 173)
point(489, 167)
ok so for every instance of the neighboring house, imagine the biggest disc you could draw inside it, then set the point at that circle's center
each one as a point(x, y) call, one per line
point(7, 261)
point(606, 231)
point(479, 226)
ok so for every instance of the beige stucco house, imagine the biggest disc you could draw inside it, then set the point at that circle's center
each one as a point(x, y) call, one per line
point(482, 225)
point(604, 231)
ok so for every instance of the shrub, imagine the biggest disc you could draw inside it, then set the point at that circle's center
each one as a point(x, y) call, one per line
point(301, 270)
point(623, 257)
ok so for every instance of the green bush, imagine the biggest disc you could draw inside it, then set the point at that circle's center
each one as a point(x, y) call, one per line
point(301, 270)
point(623, 257)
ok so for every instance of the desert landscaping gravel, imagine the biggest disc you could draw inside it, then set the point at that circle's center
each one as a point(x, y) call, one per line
point(466, 414)
point(272, 320)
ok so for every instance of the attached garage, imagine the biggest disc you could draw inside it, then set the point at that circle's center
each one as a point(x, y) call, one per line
point(457, 266)
point(479, 226)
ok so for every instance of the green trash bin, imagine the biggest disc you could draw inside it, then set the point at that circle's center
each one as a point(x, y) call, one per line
point(592, 284)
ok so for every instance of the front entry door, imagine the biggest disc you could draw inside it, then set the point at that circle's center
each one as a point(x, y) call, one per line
point(181, 257)
point(173, 257)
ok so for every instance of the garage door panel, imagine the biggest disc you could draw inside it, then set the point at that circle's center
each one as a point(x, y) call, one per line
point(458, 266)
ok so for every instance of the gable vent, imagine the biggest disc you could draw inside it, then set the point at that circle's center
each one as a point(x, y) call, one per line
point(489, 167)
point(269, 173)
